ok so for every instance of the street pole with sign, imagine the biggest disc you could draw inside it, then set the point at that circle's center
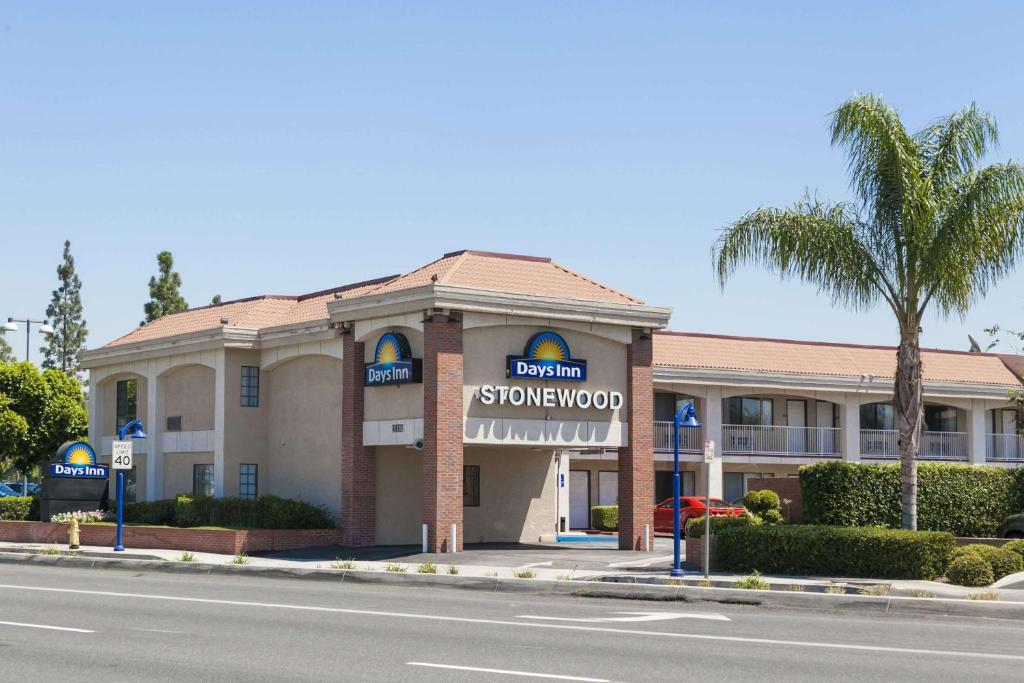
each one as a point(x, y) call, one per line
point(709, 457)
point(684, 417)
point(121, 454)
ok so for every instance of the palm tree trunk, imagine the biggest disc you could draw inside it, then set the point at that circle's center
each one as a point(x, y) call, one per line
point(909, 408)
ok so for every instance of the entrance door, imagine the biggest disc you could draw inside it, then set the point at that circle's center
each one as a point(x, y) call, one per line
point(607, 488)
point(579, 499)
point(1010, 450)
point(796, 418)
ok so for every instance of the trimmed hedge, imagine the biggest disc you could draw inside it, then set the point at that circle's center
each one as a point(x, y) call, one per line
point(1015, 547)
point(264, 512)
point(15, 508)
point(971, 570)
point(964, 500)
point(1003, 562)
point(605, 517)
point(763, 502)
point(803, 549)
point(695, 525)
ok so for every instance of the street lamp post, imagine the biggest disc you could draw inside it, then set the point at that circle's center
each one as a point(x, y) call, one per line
point(12, 326)
point(137, 432)
point(686, 416)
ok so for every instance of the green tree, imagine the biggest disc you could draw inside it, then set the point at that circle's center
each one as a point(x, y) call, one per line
point(216, 301)
point(65, 315)
point(164, 294)
point(6, 355)
point(39, 410)
point(928, 228)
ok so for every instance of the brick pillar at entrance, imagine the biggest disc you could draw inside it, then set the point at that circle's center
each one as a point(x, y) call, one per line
point(636, 461)
point(442, 432)
point(358, 462)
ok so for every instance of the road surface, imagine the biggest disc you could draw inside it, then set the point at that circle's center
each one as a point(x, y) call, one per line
point(75, 624)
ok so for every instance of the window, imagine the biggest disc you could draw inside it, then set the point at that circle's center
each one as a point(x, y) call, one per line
point(666, 405)
point(250, 386)
point(127, 402)
point(876, 416)
point(471, 486)
point(940, 419)
point(247, 480)
point(202, 481)
point(174, 423)
point(129, 485)
point(742, 410)
point(663, 484)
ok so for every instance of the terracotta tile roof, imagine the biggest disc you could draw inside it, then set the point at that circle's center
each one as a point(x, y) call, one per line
point(512, 273)
point(256, 313)
point(777, 356)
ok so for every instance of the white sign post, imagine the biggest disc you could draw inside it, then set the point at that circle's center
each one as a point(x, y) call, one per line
point(121, 455)
point(709, 457)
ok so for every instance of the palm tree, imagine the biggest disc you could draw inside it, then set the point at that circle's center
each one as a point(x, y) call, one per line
point(927, 228)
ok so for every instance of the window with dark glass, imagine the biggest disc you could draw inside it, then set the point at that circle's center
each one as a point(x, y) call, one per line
point(129, 485)
point(471, 486)
point(250, 386)
point(877, 416)
point(174, 423)
point(247, 476)
point(127, 402)
point(742, 410)
point(940, 419)
point(202, 481)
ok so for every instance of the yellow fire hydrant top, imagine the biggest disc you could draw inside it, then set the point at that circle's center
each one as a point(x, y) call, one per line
point(73, 534)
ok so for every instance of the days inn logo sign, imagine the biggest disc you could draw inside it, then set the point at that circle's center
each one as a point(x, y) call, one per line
point(77, 459)
point(546, 357)
point(393, 363)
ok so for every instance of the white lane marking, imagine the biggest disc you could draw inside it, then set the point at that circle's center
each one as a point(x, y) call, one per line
point(645, 563)
point(508, 672)
point(633, 617)
point(536, 564)
point(523, 624)
point(45, 626)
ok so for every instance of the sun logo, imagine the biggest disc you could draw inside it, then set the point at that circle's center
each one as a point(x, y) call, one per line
point(547, 346)
point(388, 350)
point(392, 362)
point(79, 453)
point(546, 357)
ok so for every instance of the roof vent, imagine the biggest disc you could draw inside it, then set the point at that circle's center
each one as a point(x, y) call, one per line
point(223, 321)
point(433, 278)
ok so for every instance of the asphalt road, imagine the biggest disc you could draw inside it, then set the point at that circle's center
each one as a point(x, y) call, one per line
point(70, 624)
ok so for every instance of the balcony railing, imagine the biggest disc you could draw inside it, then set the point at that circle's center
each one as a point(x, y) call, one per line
point(780, 440)
point(884, 443)
point(1004, 447)
point(691, 439)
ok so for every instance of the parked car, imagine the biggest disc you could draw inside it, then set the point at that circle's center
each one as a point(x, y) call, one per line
point(690, 506)
point(19, 488)
point(6, 491)
point(1012, 527)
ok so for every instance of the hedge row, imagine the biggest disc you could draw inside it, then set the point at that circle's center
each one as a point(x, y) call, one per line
point(834, 551)
point(695, 525)
point(264, 512)
point(962, 499)
point(605, 517)
point(16, 508)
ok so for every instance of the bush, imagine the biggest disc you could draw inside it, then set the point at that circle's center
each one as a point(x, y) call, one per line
point(1015, 547)
point(834, 551)
point(15, 508)
point(605, 517)
point(695, 525)
point(970, 569)
point(772, 517)
point(1002, 561)
point(961, 499)
point(265, 512)
point(762, 502)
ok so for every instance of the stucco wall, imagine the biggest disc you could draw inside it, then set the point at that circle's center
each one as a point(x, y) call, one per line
point(303, 417)
point(518, 495)
point(245, 439)
point(399, 495)
point(178, 471)
point(189, 393)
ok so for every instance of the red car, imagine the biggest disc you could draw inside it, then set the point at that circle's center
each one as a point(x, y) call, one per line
point(690, 506)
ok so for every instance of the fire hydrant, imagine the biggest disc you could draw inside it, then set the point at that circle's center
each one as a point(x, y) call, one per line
point(73, 534)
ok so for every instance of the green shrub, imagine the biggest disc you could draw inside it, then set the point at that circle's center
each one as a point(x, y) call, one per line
point(772, 517)
point(605, 517)
point(761, 502)
point(1015, 547)
point(695, 525)
point(264, 512)
point(1002, 561)
point(961, 499)
point(970, 569)
point(15, 508)
point(834, 551)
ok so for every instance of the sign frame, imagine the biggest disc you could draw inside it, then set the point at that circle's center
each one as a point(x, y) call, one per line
point(121, 455)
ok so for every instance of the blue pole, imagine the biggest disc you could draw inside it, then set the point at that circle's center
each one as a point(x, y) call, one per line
point(119, 543)
point(677, 567)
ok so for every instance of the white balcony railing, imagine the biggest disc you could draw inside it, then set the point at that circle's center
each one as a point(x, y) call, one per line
point(691, 439)
point(780, 440)
point(1005, 447)
point(884, 443)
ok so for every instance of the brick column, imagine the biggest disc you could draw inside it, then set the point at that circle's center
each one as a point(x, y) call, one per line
point(636, 461)
point(358, 462)
point(442, 432)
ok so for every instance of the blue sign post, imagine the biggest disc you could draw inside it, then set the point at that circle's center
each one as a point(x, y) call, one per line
point(136, 430)
point(685, 417)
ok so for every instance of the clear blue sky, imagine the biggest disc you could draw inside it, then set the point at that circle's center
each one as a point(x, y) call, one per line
point(290, 147)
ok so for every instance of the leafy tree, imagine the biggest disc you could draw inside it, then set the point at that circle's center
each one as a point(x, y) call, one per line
point(65, 314)
point(928, 228)
point(164, 293)
point(216, 300)
point(39, 410)
point(6, 355)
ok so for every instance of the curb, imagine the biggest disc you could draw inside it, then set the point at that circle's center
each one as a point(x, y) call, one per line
point(581, 589)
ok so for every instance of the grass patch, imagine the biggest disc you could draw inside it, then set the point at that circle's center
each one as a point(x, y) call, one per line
point(339, 563)
point(918, 593)
point(186, 557)
point(395, 568)
point(453, 570)
point(795, 588)
point(427, 568)
point(754, 582)
point(240, 558)
point(881, 589)
point(524, 574)
point(987, 595)
point(705, 583)
point(835, 589)
point(50, 550)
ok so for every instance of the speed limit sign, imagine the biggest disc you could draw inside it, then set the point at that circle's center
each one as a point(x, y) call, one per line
point(121, 453)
